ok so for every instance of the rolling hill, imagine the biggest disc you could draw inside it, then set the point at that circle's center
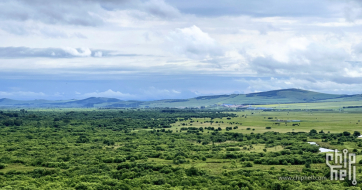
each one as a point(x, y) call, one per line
point(270, 97)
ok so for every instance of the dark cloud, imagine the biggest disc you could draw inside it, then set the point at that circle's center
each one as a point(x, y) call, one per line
point(79, 12)
point(52, 12)
point(160, 9)
point(266, 65)
point(26, 52)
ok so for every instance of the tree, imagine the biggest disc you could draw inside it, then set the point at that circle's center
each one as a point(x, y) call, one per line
point(108, 142)
point(18, 122)
point(248, 164)
point(193, 171)
point(233, 164)
point(356, 133)
point(2, 166)
point(307, 165)
point(312, 132)
point(346, 133)
point(82, 139)
point(8, 122)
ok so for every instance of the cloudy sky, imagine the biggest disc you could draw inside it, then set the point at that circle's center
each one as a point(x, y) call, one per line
point(157, 49)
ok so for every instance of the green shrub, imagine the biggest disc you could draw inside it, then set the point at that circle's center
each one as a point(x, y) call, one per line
point(119, 160)
point(232, 149)
point(247, 164)
point(2, 166)
point(108, 160)
point(82, 139)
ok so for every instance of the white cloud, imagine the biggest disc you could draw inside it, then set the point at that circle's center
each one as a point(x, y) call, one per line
point(194, 43)
point(109, 94)
point(98, 54)
point(21, 94)
point(26, 52)
point(82, 52)
point(356, 72)
point(310, 42)
point(156, 93)
point(150, 93)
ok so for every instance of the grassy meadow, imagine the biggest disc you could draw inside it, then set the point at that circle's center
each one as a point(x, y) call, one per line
point(92, 148)
point(257, 121)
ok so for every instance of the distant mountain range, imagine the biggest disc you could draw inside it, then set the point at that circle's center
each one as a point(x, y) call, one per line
point(269, 97)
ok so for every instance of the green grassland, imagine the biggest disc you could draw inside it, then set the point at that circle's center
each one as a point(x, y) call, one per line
point(74, 148)
point(334, 122)
point(336, 106)
point(277, 96)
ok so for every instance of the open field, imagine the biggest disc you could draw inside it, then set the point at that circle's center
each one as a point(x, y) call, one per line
point(334, 122)
point(336, 106)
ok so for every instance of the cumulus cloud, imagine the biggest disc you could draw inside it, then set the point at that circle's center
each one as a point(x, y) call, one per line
point(109, 94)
point(82, 52)
point(153, 90)
point(194, 43)
point(150, 93)
point(98, 54)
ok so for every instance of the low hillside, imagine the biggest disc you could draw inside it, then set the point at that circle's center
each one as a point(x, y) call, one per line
point(270, 97)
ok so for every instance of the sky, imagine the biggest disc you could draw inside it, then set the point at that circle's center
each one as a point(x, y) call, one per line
point(168, 49)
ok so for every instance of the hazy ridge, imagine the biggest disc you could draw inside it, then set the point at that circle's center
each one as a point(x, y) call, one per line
point(268, 97)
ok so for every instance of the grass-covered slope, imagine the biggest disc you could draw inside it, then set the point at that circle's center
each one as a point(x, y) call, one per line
point(270, 97)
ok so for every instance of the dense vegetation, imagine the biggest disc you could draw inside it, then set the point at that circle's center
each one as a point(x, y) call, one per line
point(135, 149)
